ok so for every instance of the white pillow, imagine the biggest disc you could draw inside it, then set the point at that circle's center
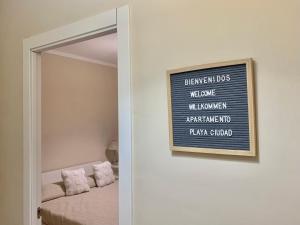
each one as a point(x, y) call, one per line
point(75, 181)
point(103, 174)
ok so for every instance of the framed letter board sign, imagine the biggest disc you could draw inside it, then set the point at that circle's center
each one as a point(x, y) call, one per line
point(211, 108)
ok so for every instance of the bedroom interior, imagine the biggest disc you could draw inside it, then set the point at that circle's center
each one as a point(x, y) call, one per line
point(79, 146)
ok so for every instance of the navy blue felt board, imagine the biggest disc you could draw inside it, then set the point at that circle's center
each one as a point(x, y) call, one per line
point(232, 92)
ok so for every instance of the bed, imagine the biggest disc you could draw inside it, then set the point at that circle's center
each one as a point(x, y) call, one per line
point(99, 206)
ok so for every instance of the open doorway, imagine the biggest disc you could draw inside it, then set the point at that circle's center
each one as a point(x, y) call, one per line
point(79, 133)
point(34, 47)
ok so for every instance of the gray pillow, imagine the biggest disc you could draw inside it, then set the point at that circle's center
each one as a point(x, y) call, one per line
point(52, 191)
point(57, 190)
point(91, 182)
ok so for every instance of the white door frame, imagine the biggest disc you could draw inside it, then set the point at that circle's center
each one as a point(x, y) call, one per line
point(117, 19)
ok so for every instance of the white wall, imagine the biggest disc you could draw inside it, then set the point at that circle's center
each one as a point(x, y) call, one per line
point(79, 111)
point(181, 189)
point(195, 189)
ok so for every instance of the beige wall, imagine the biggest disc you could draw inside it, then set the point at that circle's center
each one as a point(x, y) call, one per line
point(183, 188)
point(79, 111)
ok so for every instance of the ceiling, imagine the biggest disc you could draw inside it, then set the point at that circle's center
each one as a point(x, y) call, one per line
point(101, 50)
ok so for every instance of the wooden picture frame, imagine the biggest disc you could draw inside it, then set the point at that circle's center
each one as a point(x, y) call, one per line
point(179, 144)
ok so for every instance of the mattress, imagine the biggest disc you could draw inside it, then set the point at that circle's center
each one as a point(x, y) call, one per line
point(97, 207)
